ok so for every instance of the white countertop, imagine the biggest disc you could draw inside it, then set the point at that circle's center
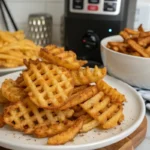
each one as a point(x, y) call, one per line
point(145, 145)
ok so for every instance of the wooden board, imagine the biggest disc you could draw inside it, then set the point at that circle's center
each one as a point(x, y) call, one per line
point(128, 143)
point(132, 141)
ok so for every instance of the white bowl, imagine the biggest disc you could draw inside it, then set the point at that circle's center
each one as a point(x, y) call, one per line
point(4, 71)
point(131, 69)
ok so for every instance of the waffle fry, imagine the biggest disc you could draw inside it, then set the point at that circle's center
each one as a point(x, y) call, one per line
point(11, 92)
point(26, 116)
point(52, 129)
point(80, 97)
point(2, 123)
point(87, 75)
point(116, 119)
point(54, 87)
point(67, 135)
point(99, 107)
point(111, 92)
point(3, 100)
point(89, 123)
point(62, 58)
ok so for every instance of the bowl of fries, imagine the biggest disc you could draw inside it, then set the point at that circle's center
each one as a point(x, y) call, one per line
point(127, 56)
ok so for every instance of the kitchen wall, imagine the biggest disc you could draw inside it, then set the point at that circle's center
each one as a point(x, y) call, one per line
point(21, 9)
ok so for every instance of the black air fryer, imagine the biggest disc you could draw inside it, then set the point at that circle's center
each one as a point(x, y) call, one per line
point(89, 21)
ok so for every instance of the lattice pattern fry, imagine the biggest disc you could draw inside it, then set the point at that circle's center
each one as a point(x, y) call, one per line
point(100, 108)
point(49, 85)
point(26, 116)
point(86, 75)
point(11, 92)
point(57, 55)
point(115, 95)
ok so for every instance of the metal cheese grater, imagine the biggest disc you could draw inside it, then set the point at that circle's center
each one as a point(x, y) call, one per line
point(40, 29)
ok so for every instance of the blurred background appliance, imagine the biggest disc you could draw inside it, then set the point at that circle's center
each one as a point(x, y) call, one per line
point(40, 29)
point(89, 21)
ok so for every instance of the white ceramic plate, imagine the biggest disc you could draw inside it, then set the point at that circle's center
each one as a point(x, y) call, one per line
point(4, 71)
point(134, 111)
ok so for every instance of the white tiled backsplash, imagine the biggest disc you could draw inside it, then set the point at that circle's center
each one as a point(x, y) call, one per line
point(21, 9)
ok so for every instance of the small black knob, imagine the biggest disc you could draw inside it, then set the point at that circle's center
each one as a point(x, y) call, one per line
point(90, 40)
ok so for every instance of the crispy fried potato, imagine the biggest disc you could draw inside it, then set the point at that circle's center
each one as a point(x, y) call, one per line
point(89, 123)
point(80, 97)
point(144, 41)
point(135, 42)
point(130, 31)
point(114, 95)
point(2, 123)
point(138, 48)
point(11, 92)
point(26, 116)
point(67, 135)
point(54, 87)
point(86, 75)
point(62, 58)
point(52, 129)
point(100, 108)
point(125, 35)
point(3, 100)
point(140, 28)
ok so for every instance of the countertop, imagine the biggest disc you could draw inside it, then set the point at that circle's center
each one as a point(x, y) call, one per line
point(145, 145)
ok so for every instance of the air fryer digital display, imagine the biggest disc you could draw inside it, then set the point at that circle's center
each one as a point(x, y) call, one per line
point(104, 7)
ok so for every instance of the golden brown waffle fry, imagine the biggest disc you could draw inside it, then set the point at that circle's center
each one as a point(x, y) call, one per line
point(86, 75)
point(3, 100)
point(78, 111)
point(79, 88)
point(2, 123)
point(89, 123)
point(116, 119)
point(52, 129)
point(26, 116)
point(49, 85)
point(100, 108)
point(80, 97)
point(137, 48)
point(11, 92)
point(62, 58)
point(67, 135)
point(114, 95)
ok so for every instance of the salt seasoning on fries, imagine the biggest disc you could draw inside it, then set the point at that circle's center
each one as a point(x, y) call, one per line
point(135, 43)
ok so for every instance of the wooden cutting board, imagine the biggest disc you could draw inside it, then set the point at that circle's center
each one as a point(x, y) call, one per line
point(132, 141)
point(129, 143)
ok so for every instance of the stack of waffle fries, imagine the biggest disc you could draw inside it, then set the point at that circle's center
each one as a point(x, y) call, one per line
point(136, 43)
point(54, 98)
point(14, 48)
